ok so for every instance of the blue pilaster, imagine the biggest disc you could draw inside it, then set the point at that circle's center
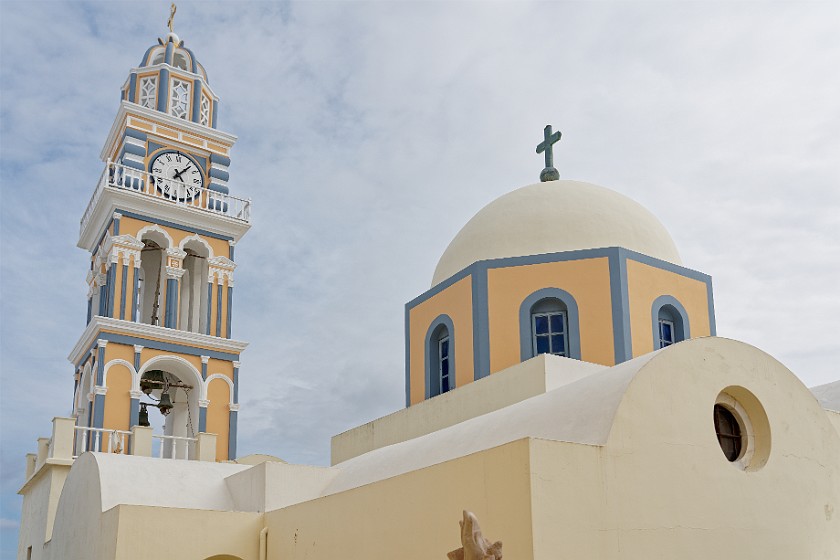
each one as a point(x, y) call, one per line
point(215, 118)
point(204, 367)
point(232, 245)
point(90, 309)
point(123, 288)
point(117, 218)
point(134, 413)
point(163, 90)
point(132, 87)
point(171, 318)
point(111, 283)
point(236, 382)
point(229, 311)
point(100, 362)
point(202, 418)
point(196, 102)
point(232, 435)
point(134, 294)
point(170, 50)
point(98, 411)
point(219, 311)
point(209, 306)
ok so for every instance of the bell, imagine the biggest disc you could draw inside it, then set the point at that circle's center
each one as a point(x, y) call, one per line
point(152, 379)
point(144, 415)
point(165, 404)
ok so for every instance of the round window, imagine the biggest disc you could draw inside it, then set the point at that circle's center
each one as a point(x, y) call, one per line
point(728, 433)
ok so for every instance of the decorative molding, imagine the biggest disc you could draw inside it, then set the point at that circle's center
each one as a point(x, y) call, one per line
point(101, 343)
point(205, 359)
point(196, 237)
point(203, 403)
point(174, 273)
point(236, 364)
point(234, 407)
point(136, 393)
point(99, 324)
point(138, 348)
point(100, 390)
point(117, 215)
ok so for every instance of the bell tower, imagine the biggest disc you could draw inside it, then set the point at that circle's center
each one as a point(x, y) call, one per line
point(161, 228)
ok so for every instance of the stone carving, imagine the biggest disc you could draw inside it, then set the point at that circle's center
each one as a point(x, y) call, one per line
point(475, 546)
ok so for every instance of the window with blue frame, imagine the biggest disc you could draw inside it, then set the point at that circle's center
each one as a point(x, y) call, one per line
point(440, 369)
point(443, 364)
point(549, 327)
point(666, 333)
point(670, 326)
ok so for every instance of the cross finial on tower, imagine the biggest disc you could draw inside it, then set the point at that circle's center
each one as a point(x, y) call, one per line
point(549, 139)
point(172, 9)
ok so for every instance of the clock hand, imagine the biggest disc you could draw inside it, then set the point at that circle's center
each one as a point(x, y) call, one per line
point(179, 173)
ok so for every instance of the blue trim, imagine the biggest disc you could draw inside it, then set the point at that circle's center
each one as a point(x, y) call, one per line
point(665, 265)
point(526, 345)
point(622, 341)
point(100, 365)
point(116, 222)
point(123, 287)
point(98, 412)
point(217, 173)
point(112, 289)
point(230, 253)
point(134, 413)
point(236, 384)
point(170, 51)
point(682, 326)
point(209, 306)
point(193, 61)
point(90, 310)
point(179, 227)
point(134, 165)
point(134, 291)
point(202, 419)
point(232, 435)
point(145, 60)
point(132, 86)
point(219, 311)
point(137, 360)
point(163, 88)
point(710, 298)
point(203, 370)
point(229, 310)
point(218, 188)
point(215, 114)
point(135, 150)
point(136, 134)
point(481, 324)
point(433, 389)
point(103, 300)
point(165, 346)
point(407, 358)
point(196, 100)
point(221, 160)
point(171, 320)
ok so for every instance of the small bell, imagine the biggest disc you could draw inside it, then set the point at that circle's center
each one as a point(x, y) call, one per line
point(152, 379)
point(165, 404)
point(144, 415)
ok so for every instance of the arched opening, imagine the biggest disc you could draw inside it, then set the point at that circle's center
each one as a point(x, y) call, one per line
point(670, 322)
point(179, 60)
point(151, 281)
point(440, 357)
point(82, 405)
point(171, 390)
point(193, 295)
point(157, 55)
point(550, 327)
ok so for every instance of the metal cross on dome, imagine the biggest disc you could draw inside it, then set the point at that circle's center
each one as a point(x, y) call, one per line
point(172, 9)
point(549, 139)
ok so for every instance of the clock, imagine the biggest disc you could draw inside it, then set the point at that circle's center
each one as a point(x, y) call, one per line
point(177, 176)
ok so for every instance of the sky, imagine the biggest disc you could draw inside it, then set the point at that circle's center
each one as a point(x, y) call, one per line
point(369, 134)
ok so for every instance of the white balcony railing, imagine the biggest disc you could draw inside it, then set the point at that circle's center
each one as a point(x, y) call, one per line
point(175, 447)
point(99, 439)
point(121, 177)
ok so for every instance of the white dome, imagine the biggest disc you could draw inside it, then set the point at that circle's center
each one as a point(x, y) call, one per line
point(552, 217)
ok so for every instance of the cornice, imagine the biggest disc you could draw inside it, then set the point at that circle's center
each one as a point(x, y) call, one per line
point(191, 219)
point(142, 330)
point(128, 108)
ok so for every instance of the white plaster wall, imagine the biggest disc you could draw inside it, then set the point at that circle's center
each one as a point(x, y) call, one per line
point(271, 485)
point(40, 501)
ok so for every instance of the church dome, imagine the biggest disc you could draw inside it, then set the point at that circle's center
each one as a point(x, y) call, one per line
point(552, 217)
point(172, 51)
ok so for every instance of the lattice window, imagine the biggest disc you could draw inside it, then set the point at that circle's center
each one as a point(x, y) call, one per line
point(179, 99)
point(205, 110)
point(148, 91)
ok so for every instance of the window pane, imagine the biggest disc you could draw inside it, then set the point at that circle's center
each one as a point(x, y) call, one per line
point(444, 348)
point(557, 323)
point(444, 384)
point(666, 331)
point(444, 367)
point(558, 344)
point(541, 324)
point(542, 345)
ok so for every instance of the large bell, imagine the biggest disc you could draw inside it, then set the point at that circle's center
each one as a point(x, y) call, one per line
point(144, 415)
point(165, 404)
point(151, 380)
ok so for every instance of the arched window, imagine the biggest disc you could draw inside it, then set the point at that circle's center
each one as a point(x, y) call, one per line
point(179, 60)
point(670, 322)
point(157, 55)
point(193, 296)
point(549, 324)
point(440, 357)
point(549, 327)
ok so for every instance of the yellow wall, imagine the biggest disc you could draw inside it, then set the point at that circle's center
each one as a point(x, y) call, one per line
point(218, 415)
point(588, 281)
point(130, 226)
point(455, 301)
point(414, 515)
point(646, 283)
point(116, 351)
point(118, 399)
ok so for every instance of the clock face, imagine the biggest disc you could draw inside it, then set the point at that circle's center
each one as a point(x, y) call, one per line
point(177, 176)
